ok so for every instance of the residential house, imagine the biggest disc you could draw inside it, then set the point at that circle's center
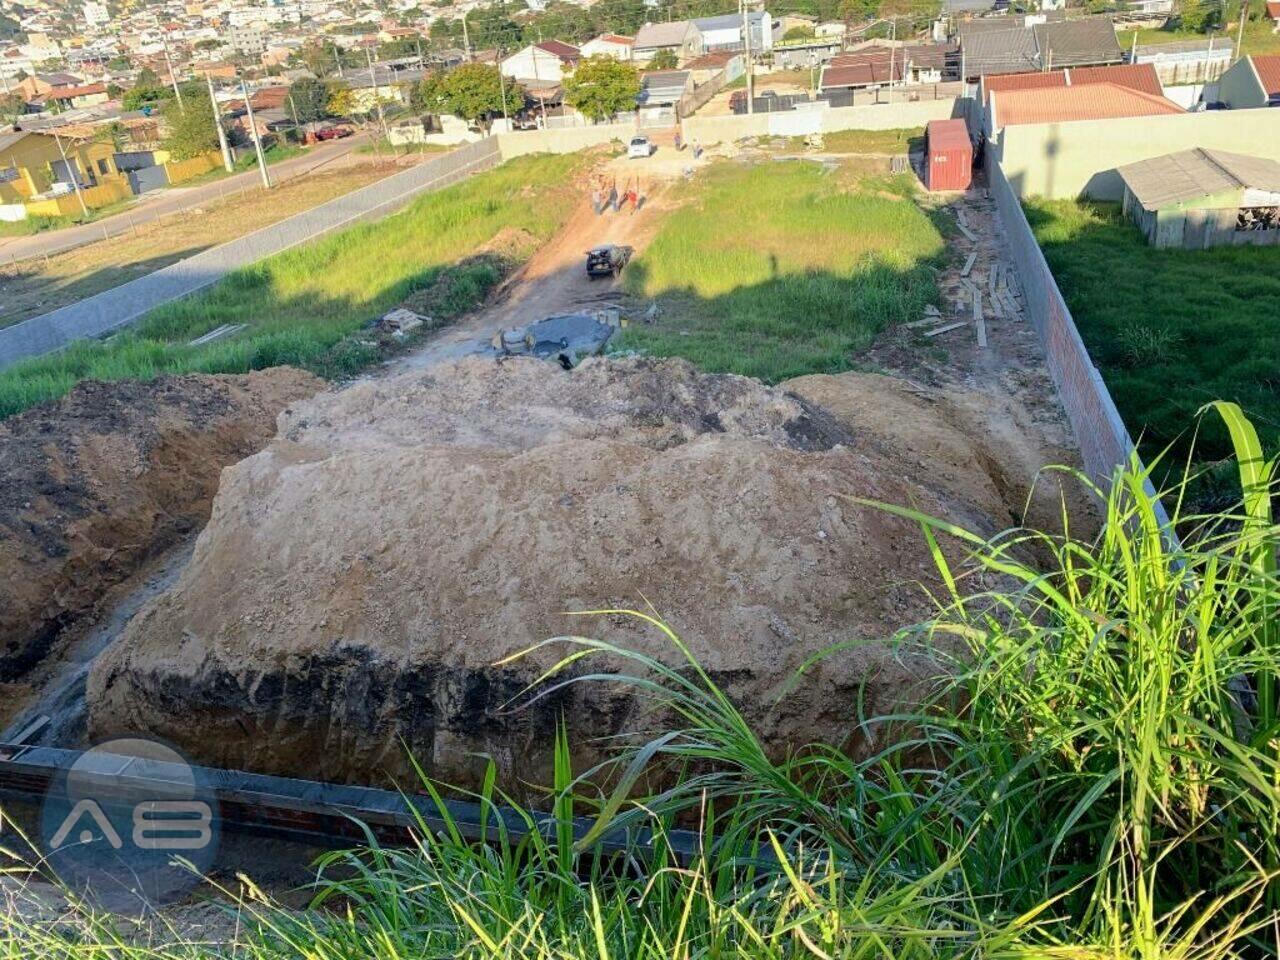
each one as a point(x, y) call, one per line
point(547, 60)
point(76, 96)
point(931, 62)
point(1033, 44)
point(35, 87)
point(1273, 14)
point(1141, 77)
point(1253, 81)
point(660, 94)
point(1195, 199)
point(725, 32)
point(869, 67)
point(32, 164)
point(681, 37)
point(609, 45)
point(1067, 104)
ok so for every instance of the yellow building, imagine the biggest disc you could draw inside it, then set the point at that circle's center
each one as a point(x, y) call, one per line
point(31, 163)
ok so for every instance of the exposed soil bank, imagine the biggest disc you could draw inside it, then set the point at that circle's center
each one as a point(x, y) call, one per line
point(360, 577)
point(94, 485)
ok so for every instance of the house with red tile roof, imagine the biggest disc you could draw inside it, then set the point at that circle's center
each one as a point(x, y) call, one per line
point(1067, 104)
point(1253, 81)
point(609, 45)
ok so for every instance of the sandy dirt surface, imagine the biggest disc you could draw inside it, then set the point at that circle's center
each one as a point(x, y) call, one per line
point(361, 578)
point(555, 280)
point(95, 485)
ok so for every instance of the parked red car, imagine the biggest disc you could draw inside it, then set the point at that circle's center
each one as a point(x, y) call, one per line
point(333, 133)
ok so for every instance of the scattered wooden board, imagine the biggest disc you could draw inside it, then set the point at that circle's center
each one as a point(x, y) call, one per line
point(967, 232)
point(926, 322)
point(948, 327)
point(968, 264)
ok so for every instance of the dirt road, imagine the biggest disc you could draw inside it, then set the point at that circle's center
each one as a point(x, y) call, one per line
point(555, 281)
point(162, 203)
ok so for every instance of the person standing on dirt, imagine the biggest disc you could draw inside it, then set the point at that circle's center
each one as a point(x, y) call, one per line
point(596, 207)
point(614, 199)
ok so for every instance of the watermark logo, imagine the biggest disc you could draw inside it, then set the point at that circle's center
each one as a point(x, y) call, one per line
point(130, 825)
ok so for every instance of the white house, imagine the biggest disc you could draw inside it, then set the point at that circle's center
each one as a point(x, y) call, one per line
point(609, 45)
point(548, 60)
point(725, 32)
point(681, 37)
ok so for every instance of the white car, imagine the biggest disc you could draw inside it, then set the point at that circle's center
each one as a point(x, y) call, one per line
point(639, 147)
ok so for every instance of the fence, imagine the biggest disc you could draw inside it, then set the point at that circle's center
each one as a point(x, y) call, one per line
point(118, 306)
point(819, 118)
point(1104, 441)
point(179, 171)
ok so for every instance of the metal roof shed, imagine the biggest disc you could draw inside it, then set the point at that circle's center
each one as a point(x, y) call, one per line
point(949, 165)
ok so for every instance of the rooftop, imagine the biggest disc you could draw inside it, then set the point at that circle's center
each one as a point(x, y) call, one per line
point(1268, 69)
point(1191, 174)
point(1094, 101)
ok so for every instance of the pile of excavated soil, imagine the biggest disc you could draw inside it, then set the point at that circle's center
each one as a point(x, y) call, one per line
point(94, 485)
point(361, 577)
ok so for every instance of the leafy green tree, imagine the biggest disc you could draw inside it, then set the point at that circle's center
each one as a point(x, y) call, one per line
point(191, 129)
point(601, 87)
point(12, 106)
point(1200, 15)
point(474, 92)
point(664, 60)
point(309, 99)
point(799, 33)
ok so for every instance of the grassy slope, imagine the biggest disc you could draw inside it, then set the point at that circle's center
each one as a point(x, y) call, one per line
point(1169, 329)
point(777, 270)
point(38, 286)
point(302, 305)
point(1258, 37)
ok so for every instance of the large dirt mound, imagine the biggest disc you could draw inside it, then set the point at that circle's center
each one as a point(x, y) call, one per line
point(360, 577)
point(95, 484)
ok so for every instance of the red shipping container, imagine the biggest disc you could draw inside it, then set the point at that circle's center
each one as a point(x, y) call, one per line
point(950, 155)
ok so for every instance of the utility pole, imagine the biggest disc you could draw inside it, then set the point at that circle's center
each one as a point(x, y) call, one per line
point(257, 140)
point(893, 49)
point(1244, 13)
point(74, 172)
point(377, 98)
point(337, 58)
point(466, 38)
point(173, 77)
point(217, 122)
point(746, 40)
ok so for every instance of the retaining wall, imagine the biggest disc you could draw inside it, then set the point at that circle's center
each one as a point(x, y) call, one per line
point(118, 306)
point(1103, 439)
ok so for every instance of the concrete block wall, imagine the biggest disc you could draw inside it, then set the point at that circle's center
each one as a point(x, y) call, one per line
point(1103, 439)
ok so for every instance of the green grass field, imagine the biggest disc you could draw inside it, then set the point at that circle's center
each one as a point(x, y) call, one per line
point(1258, 37)
point(303, 306)
point(1169, 329)
point(777, 270)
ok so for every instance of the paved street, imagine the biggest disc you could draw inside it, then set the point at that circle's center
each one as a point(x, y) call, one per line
point(162, 203)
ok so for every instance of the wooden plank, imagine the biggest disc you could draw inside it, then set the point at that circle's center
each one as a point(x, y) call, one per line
point(948, 327)
point(968, 264)
point(926, 322)
point(967, 232)
point(979, 320)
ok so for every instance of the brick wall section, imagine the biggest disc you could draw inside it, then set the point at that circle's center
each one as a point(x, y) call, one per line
point(114, 308)
point(1103, 439)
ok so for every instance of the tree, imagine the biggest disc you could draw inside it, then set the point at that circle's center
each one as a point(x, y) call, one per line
point(664, 59)
point(601, 87)
point(309, 99)
point(191, 129)
point(341, 101)
point(799, 33)
point(12, 107)
point(1199, 15)
point(474, 92)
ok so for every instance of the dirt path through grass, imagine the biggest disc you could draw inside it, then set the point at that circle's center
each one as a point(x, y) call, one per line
point(554, 281)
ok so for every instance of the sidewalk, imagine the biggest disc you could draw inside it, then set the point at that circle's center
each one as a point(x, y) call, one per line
point(162, 203)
